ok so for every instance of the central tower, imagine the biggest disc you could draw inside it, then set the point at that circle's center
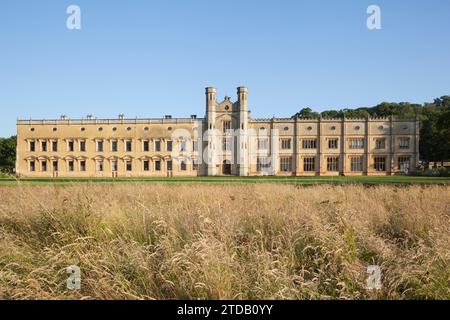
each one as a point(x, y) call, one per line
point(226, 134)
point(242, 132)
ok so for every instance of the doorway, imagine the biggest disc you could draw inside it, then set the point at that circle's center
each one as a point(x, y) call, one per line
point(226, 167)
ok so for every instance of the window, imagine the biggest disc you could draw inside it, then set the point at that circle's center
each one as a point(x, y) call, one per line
point(194, 165)
point(183, 166)
point(333, 164)
point(114, 146)
point(55, 166)
point(82, 146)
point(356, 143)
point(129, 165)
point(100, 146)
point(32, 146)
point(309, 164)
point(226, 126)
point(44, 166)
point(157, 145)
point(226, 145)
point(114, 166)
point(309, 144)
point(145, 146)
point(263, 164)
point(128, 146)
point(70, 146)
point(32, 166)
point(70, 166)
point(356, 164)
point(146, 165)
point(54, 146)
point(380, 143)
point(169, 145)
point(285, 144)
point(262, 143)
point(403, 163)
point(182, 145)
point(404, 143)
point(44, 146)
point(157, 165)
point(333, 143)
point(169, 165)
point(82, 165)
point(285, 164)
point(100, 165)
point(380, 163)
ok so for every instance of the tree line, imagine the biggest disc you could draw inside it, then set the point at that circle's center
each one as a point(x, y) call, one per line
point(434, 122)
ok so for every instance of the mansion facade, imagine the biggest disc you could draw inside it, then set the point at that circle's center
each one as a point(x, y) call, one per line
point(227, 141)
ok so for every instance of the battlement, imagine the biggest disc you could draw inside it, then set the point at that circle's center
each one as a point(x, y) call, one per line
point(107, 121)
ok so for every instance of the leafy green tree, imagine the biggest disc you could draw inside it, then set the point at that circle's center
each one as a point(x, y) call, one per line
point(332, 114)
point(435, 130)
point(356, 113)
point(8, 152)
point(306, 113)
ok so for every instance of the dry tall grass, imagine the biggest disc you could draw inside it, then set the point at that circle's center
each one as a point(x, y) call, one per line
point(224, 242)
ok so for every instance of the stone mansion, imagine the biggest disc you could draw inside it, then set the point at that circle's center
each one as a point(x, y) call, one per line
point(227, 141)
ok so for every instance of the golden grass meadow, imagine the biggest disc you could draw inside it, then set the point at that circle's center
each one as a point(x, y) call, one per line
point(261, 241)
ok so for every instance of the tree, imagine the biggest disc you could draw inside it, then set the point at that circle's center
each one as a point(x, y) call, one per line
point(435, 130)
point(8, 153)
point(332, 114)
point(306, 113)
point(443, 130)
point(356, 113)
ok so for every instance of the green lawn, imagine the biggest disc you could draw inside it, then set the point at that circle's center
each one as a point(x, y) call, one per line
point(400, 180)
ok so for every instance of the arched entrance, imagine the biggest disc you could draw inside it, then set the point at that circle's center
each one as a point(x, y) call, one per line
point(226, 167)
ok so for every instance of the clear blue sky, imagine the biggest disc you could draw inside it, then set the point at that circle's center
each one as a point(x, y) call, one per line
point(150, 58)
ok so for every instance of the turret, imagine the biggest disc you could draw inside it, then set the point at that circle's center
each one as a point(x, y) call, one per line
point(242, 93)
point(242, 139)
point(210, 98)
point(211, 136)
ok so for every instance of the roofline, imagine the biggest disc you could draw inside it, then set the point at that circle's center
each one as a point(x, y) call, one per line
point(106, 121)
